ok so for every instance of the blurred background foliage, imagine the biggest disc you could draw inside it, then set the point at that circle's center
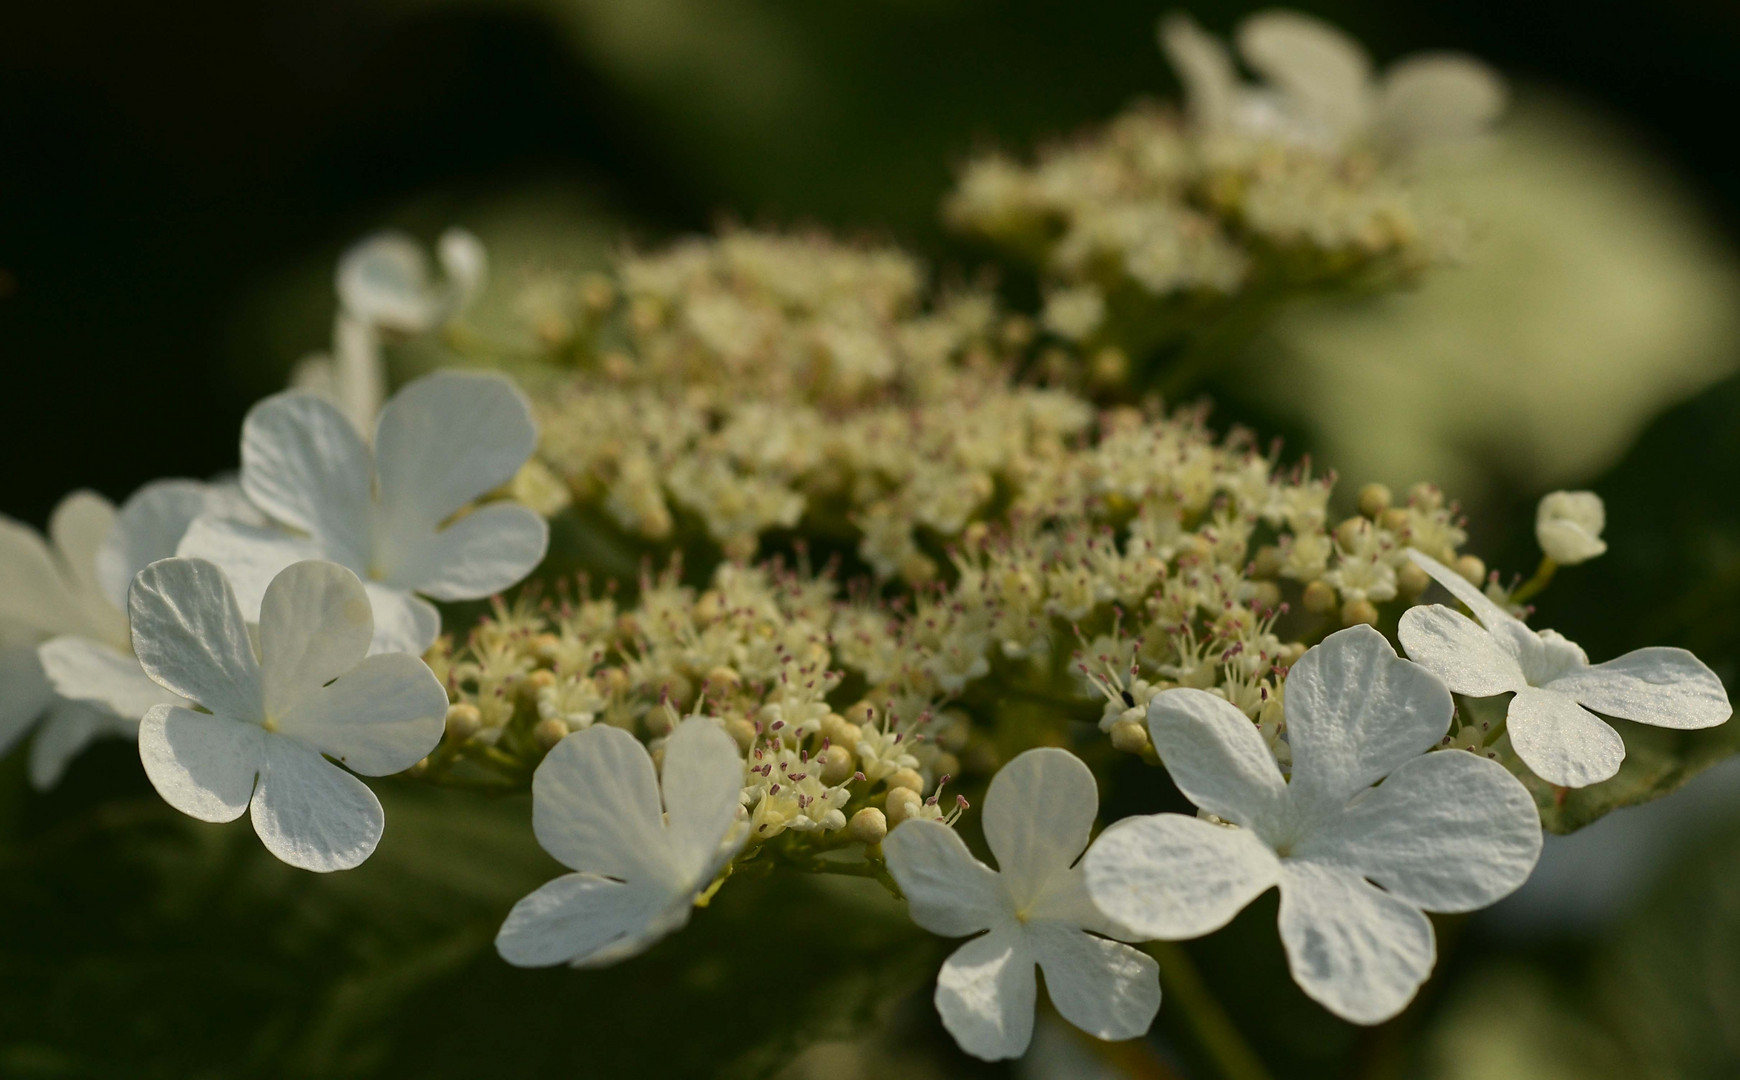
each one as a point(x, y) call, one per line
point(180, 179)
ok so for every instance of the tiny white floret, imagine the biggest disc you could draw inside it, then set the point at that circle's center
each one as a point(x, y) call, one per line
point(1568, 525)
point(1552, 722)
point(393, 514)
point(1357, 864)
point(1033, 910)
point(310, 690)
point(639, 865)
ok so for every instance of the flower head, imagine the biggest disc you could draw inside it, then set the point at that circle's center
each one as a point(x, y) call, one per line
point(1033, 909)
point(395, 516)
point(1557, 691)
point(271, 714)
point(639, 865)
point(1568, 526)
point(1357, 865)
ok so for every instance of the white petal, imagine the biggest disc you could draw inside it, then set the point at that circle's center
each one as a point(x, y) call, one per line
point(1170, 876)
point(384, 279)
point(1204, 68)
point(67, 728)
point(1038, 813)
point(1356, 950)
point(1448, 831)
point(948, 892)
point(1458, 650)
point(249, 555)
point(587, 921)
point(190, 637)
point(202, 765)
point(311, 813)
point(34, 593)
point(1317, 65)
point(466, 264)
point(86, 670)
point(149, 527)
point(1106, 988)
point(1064, 898)
point(315, 624)
point(1217, 757)
point(443, 441)
point(703, 778)
point(595, 806)
point(1665, 687)
point(1560, 741)
point(482, 553)
point(1491, 616)
point(78, 527)
point(1354, 712)
point(985, 994)
point(403, 623)
point(380, 717)
point(1568, 526)
point(1438, 97)
point(24, 692)
point(306, 466)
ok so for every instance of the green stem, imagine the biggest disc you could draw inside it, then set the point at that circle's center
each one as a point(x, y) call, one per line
point(1543, 576)
point(1214, 1029)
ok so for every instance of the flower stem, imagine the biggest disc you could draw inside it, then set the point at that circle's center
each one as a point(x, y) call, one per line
point(1232, 1056)
point(1543, 575)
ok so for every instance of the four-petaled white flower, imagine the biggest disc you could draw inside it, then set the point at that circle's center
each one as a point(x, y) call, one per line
point(1552, 722)
point(1320, 90)
point(1033, 909)
point(1568, 526)
point(1357, 865)
point(392, 516)
point(312, 690)
point(73, 599)
point(639, 867)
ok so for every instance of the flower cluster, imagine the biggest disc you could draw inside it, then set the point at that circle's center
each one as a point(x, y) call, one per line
point(1252, 189)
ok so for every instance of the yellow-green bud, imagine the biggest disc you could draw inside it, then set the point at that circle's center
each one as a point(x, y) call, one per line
point(903, 803)
point(1374, 499)
point(836, 763)
point(868, 826)
point(1129, 737)
point(1359, 611)
point(1472, 568)
point(907, 778)
point(463, 721)
point(1319, 597)
point(549, 732)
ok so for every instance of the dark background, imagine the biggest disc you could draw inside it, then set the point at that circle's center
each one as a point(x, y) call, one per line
point(163, 162)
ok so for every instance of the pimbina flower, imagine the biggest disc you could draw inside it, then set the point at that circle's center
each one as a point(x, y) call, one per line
point(1033, 910)
point(1568, 526)
point(640, 864)
point(392, 515)
point(1557, 692)
point(309, 690)
point(75, 596)
point(1357, 865)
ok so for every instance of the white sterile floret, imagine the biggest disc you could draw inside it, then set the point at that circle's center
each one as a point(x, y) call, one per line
point(383, 280)
point(1568, 526)
point(82, 679)
point(1033, 909)
point(1557, 691)
point(639, 866)
point(309, 690)
point(399, 516)
point(1357, 865)
point(1319, 89)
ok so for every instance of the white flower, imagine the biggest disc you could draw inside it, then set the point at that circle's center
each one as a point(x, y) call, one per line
point(1568, 526)
point(383, 281)
point(639, 866)
point(309, 691)
point(75, 597)
point(1551, 719)
point(1320, 89)
point(393, 515)
point(1034, 908)
point(1356, 864)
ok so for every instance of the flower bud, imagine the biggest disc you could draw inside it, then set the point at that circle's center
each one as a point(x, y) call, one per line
point(1359, 611)
point(906, 778)
point(1472, 569)
point(463, 720)
point(742, 732)
point(1374, 499)
point(868, 826)
point(1425, 496)
point(836, 764)
point(861, 713)
point(946, 764)
point(538, 680)
point(1319, 597)
point(1269, 562)
point(1129, 737)
point(549, 732)
point(1411, 581)
point(1568, 525)
point(903, 803)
